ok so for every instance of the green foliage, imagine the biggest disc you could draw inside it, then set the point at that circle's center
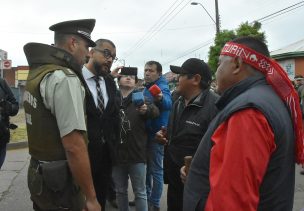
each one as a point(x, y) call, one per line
point(245, 29)
point(214, 51)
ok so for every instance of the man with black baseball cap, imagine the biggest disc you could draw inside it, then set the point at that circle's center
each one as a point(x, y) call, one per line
point(189, 120)
point(194, 66)
point(59, 171)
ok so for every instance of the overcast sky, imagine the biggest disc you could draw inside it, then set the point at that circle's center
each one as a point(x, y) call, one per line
point(128, 23)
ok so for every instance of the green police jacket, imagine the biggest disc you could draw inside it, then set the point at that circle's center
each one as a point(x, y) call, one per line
point(44, 138)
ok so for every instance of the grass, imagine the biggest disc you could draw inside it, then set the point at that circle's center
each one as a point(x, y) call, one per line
point(19, 134)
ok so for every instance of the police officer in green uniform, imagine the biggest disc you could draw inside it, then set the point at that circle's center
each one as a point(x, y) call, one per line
point(59, 175)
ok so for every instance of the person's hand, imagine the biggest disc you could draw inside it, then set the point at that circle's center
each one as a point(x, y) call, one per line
point(160, 136)
point(92, 205)
point(142, 109)
point(183, 174)
point(115, 73)
point(158, 97)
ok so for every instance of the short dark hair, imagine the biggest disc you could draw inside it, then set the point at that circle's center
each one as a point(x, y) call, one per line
point(253, 43)
point(101, 41)
point(136, 78)
point(60, 38)
point(159, 67)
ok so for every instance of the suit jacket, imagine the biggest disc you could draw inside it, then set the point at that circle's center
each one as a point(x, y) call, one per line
point(102, 129)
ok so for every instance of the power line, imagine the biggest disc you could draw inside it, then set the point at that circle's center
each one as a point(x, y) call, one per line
point(280, 12)
point(161, 27)
point(158, 27)
point(265, 18)
point(189, 51)
point(164, 16)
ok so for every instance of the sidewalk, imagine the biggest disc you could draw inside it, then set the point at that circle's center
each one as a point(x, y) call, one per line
point(17, 145)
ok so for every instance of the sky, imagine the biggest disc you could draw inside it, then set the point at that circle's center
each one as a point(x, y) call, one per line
point(168, 31)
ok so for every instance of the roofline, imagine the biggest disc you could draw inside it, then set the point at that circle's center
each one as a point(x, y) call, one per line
point(288, 55)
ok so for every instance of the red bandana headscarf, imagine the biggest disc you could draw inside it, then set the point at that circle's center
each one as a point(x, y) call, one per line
point(279, 81)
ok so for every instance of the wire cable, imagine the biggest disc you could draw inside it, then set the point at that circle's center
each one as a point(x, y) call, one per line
point(164, 24)
point(154, 27)
point(279, 12)
point(189, 51)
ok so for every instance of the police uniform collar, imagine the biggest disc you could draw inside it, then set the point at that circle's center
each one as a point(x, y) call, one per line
point(38, 54)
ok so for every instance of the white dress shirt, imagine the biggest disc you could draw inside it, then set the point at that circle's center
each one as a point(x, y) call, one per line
point(88, 76)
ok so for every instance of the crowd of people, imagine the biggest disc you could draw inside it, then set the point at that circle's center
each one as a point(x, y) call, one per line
point(91, 129)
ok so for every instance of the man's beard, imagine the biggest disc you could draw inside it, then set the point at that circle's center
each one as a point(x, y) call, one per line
point(98, 69)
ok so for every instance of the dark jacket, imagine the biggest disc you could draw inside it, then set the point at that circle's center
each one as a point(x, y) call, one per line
point(132, 147)
point(277, 188)
point(188, 124)
point(102, 129)
point(8, 107)
point(154, 125)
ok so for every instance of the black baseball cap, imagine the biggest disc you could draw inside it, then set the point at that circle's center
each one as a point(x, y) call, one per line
point(82, 28)
point(194, 66)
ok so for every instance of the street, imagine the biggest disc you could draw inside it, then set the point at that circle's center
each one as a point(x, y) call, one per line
point(14, 195)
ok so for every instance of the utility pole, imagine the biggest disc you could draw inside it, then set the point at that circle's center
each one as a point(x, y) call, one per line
point(217, 17)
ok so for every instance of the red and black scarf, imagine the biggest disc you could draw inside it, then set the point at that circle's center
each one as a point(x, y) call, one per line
point(278, 79)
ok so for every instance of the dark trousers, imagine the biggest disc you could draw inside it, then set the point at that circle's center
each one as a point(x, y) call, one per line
point(2, 155)
point(101, 167)
point(111, 191)
point(175, 186)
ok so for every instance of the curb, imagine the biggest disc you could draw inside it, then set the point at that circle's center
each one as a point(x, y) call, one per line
point(17, 145)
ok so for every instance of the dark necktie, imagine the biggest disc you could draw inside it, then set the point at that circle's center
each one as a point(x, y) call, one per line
point(100, 100)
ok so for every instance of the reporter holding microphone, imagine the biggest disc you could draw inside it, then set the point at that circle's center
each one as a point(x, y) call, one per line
point(131, 150)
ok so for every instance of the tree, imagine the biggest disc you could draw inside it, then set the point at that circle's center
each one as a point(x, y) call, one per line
point(245, 29)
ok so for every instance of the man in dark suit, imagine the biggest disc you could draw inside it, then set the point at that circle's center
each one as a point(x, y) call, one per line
point(102, 108)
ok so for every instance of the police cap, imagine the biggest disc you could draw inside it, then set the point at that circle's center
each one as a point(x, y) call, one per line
point(82, 27)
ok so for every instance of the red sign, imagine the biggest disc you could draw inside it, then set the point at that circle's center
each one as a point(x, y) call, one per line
point(6, 64)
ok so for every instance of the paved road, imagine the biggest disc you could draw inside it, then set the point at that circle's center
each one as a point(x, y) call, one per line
point(14, 195)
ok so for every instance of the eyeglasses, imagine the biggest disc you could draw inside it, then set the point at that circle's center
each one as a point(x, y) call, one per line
point(107, 54)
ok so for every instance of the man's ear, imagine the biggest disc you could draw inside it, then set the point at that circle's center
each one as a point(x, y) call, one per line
point(238, 64)
point(72, 43)
point(91, 52)
point(197, 79)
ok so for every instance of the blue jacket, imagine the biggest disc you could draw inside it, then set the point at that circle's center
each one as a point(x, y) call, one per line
point(165, 105)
